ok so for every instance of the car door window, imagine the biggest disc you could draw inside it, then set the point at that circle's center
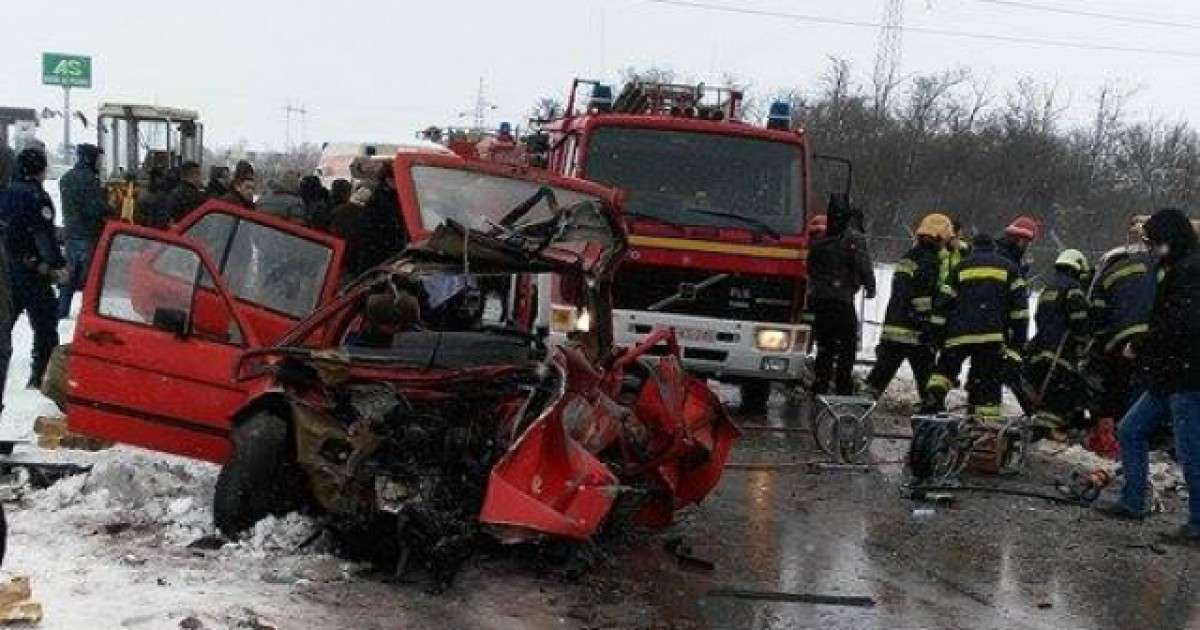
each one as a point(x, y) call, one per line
point(275, 269)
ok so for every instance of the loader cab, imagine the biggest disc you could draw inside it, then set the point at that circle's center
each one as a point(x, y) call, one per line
point(136, 136)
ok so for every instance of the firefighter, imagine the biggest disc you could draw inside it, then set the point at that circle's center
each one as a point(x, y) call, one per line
point(35, 261)
point(1122, 299)
point(985, 306)
point(907, 324)
point(953, 253)
point(1052, 356)
point(1018, 236)
point(839, 265)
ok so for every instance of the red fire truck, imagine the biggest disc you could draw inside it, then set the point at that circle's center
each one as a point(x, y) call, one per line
point(715, 211)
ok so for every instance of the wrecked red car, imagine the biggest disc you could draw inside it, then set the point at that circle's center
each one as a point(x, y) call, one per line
point(415, 396)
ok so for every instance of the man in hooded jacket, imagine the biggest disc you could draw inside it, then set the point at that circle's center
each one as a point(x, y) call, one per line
point(1168, 359)
point(839, 264)
point(84, 208)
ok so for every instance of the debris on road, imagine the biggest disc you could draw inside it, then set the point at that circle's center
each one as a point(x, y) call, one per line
point(684, 555)
point(16, 602)
point(797, 598)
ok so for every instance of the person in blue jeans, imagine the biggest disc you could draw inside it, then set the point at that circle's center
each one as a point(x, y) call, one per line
point(84, 207)
point(1168, 363)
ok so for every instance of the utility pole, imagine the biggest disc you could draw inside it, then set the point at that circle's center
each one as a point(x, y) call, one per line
point(482, 107)
point(288, 110)
point(889, 48)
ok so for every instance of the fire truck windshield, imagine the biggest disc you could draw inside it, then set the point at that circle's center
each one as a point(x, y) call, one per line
point(702, 179)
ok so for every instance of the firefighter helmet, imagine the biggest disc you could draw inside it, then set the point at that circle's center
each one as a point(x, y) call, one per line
point(937, 226)
point(1023, 227)
point(1072, 259)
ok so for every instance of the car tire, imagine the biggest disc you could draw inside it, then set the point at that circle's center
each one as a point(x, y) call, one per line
point(260, 478)
point(755, 395)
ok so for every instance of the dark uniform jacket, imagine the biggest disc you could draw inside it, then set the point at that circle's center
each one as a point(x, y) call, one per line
point(1122, 298)
point(915, 284)
point(84, 204)
point(1062, 313)
point(984, 300)
point(183, 199)
point(27, 217)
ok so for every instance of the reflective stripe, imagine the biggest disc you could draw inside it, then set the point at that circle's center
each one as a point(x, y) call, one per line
point(1076, 293)
point(906, 266)
point(900, 334)
point(991, 411)
point(1099, 303)
point(1019, 284)
point(1046, 355)
point(937, 320)
point(949, 290)
point(969, 340)
point(1078, 316)
point(1049, 295)
point(1047, 420)
point(922, 303)
point(983, 273)
point(1021, 314)
point(937, 381)
point(1136, 329)
point(1012, 354)
point(1127, 270)
point(1162, 274)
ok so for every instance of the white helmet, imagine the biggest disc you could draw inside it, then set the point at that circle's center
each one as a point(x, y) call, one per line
point(1072, 259)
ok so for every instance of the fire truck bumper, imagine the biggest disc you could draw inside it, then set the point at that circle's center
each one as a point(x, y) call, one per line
point(726, 349)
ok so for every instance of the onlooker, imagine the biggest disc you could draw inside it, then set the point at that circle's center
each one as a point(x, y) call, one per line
point(283, 198)
point(85, 207)
point(218, 182)
point(316, 202)
point(152, 199)
point(187, 195)
point(383, 230)
point(839, 265)
point(339, 193)
point(6, 165)
point(35, 261)
point(1168, 357)
point(241, 189)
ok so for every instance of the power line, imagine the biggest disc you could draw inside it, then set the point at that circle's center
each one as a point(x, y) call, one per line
point(1128, 19)
point(1012, 39)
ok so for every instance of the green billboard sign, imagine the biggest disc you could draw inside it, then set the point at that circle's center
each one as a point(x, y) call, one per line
point(66, 70)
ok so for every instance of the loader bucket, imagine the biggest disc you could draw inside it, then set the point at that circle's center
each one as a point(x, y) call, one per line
point(548, 484)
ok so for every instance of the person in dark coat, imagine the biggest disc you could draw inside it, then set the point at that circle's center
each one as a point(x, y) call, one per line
point(1168, 358)
point(218, 182)
point(316, 202)
point(839, 265)
point(35, 261)
point(1063, 324)
point(339, 193)
point(347, 223)
point(85, 207)
point(383, 234)
point(187, 194)
point(241, 189)
point(7, 157)
point(151, 208)
point(283, 199)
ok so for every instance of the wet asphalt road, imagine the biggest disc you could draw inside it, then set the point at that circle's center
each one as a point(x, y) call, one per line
point(985, 562)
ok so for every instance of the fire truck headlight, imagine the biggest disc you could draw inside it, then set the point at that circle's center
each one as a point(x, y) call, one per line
point(772, 339)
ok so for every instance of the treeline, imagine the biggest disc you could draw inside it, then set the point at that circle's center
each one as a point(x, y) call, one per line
point(950, 142)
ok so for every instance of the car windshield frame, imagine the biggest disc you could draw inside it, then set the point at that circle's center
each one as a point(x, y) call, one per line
point(660, 156)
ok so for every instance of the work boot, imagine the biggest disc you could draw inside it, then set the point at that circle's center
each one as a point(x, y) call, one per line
point(1120, 511)
point(1185, 535)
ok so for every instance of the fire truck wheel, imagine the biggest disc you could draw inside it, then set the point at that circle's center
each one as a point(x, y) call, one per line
point(755, 395)
point(257, 480)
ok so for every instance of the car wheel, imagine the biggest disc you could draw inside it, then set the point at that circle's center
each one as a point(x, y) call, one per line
point(755, 395)
point(260, 478)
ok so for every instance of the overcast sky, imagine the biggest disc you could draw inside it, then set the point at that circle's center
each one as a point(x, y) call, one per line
point(376, 70)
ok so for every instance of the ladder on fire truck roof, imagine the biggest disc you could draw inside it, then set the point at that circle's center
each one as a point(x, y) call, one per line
point(649, 97)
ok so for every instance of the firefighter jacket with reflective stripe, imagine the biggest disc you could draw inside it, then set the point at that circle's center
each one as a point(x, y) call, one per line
point(1062, 314)
point(914, 287)
point(1122, 298)
point(985, 300)
point(950, 258)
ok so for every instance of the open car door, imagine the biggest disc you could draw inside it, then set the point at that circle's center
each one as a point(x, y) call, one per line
point(155, 346)
point(277, 272)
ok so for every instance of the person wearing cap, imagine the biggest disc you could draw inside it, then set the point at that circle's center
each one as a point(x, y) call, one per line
point(35, 261)
point(909, 326)
point(1122, 300)
point(84, 208)
point(839, 265)
point(981, 304)
point(1018, 236)
point(241, 189)
point(1052, 356)
point(1168, 358)
point(187, 195)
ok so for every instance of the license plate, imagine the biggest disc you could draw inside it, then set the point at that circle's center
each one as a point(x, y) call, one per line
point(696, 334)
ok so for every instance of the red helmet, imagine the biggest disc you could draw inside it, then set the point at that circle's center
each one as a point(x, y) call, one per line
point(1023, 227)
point(817, 225)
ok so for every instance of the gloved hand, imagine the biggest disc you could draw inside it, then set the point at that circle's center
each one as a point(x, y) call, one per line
point(1103, 440)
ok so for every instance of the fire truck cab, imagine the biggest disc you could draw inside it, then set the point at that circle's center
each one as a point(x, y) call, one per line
point(715, 212)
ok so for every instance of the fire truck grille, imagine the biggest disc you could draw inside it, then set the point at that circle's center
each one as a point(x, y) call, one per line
point(705, 293)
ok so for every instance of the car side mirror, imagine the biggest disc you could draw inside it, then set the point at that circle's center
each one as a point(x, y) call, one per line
point(172, 320)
